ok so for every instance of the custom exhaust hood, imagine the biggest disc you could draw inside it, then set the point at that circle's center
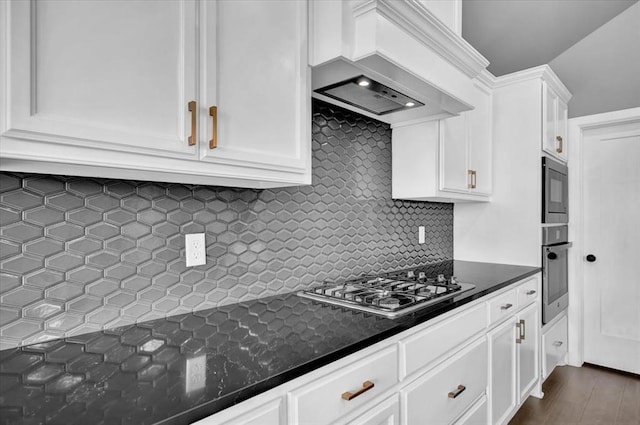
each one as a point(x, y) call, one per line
point(391, 60)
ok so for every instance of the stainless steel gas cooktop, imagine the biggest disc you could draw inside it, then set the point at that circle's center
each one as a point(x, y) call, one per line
point(391, 294)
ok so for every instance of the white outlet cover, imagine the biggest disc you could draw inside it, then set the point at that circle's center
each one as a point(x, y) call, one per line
point(421, 237)
point(196, 373)
point(195, 250)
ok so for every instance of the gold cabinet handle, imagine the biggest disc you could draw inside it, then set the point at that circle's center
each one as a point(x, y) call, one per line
point(366, 386)
point(470, 175)
point(559, 148)
point(522, 330)
point(531, 292)
point(506, 307)
point(457, 392)
point(213, 112)
point(193, 108)
point(475, 174)
point(557, 343)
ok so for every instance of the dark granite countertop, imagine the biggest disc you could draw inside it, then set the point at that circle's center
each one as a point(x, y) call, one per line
point(137, 374)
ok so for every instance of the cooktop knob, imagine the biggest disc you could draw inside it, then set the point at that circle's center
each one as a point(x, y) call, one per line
point(453, 280)
point(441, 278)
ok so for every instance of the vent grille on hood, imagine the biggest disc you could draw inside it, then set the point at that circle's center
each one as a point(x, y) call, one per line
point(370, 95)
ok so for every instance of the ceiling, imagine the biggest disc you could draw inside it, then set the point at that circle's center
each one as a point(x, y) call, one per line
point(519, 34)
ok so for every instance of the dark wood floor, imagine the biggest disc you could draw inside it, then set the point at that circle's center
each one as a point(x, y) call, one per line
point(586, 395)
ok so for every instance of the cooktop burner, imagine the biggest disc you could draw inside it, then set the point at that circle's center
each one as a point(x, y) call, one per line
point(390, 294)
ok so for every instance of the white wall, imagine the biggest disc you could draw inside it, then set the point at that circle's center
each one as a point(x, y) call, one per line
point(602, 70)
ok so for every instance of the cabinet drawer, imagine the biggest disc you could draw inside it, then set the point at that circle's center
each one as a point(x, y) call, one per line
point(420, 349)
point(554, 341)
point(477, 415)
point(528, 292)
point(268, 414)
point(321, 402)
point(432, 396)
point(502, 306)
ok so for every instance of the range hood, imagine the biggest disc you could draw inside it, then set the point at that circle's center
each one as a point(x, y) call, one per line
point(372, 96)
point(391, 60)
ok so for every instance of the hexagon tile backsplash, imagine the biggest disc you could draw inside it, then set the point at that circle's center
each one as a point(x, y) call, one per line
point(80, 254)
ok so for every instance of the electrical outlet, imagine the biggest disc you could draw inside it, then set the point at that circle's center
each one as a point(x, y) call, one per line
point(195, 249)
point(196, 373)
point(421, 234)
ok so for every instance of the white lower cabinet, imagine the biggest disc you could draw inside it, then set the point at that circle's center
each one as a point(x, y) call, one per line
point(502, 369)
point(449, 390)
point(528, 347)
point(514, 352)
point(554, 344)
point(343, 392)
point(471, 366)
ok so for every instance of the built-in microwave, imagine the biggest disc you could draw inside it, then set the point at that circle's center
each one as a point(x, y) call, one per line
point(555, 191)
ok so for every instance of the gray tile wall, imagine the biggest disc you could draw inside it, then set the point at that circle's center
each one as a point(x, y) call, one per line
point(81, 254)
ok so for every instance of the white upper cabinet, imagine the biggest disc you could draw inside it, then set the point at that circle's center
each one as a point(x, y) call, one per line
point(449, 160)
point(554, 133)
point(256, 77)
point(104, 75)
point(125, 90)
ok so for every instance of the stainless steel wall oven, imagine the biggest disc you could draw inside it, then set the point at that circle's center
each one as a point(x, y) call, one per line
point(555, 294)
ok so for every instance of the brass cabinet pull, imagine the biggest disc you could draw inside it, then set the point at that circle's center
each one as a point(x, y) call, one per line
point(193, 108)
point(506, 307)
point(457, 392)
point(213, 112)
point(559, 148)
point(472, 179)
point(531, 292)
point(522, 330)
point(366, 386)
point(557, 343)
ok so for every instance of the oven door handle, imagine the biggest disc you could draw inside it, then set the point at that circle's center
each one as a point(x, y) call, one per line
point(560, 247)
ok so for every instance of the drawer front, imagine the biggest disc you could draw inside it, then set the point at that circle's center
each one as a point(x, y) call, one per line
point(419, 350)
point(385, 413)
point(431, 398)
point(528, 292)
point(555, 343)
point(477, 415)
point(268, 414)
point(502, 306)
point(321, 402)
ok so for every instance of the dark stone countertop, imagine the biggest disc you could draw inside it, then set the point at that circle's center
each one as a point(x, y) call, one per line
point(136, 374)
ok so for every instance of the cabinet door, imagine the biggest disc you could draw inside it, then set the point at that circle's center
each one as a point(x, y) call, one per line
point(528, 350)
point(256, 73)
point(561, 129)
point(502, 370)
point(454, 176)
point(480, 142)
point(549, 114)
point(103, 75)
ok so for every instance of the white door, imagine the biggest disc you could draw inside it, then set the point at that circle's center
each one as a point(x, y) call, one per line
point(256, 73)
point(103, 74)
point(611, 211)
